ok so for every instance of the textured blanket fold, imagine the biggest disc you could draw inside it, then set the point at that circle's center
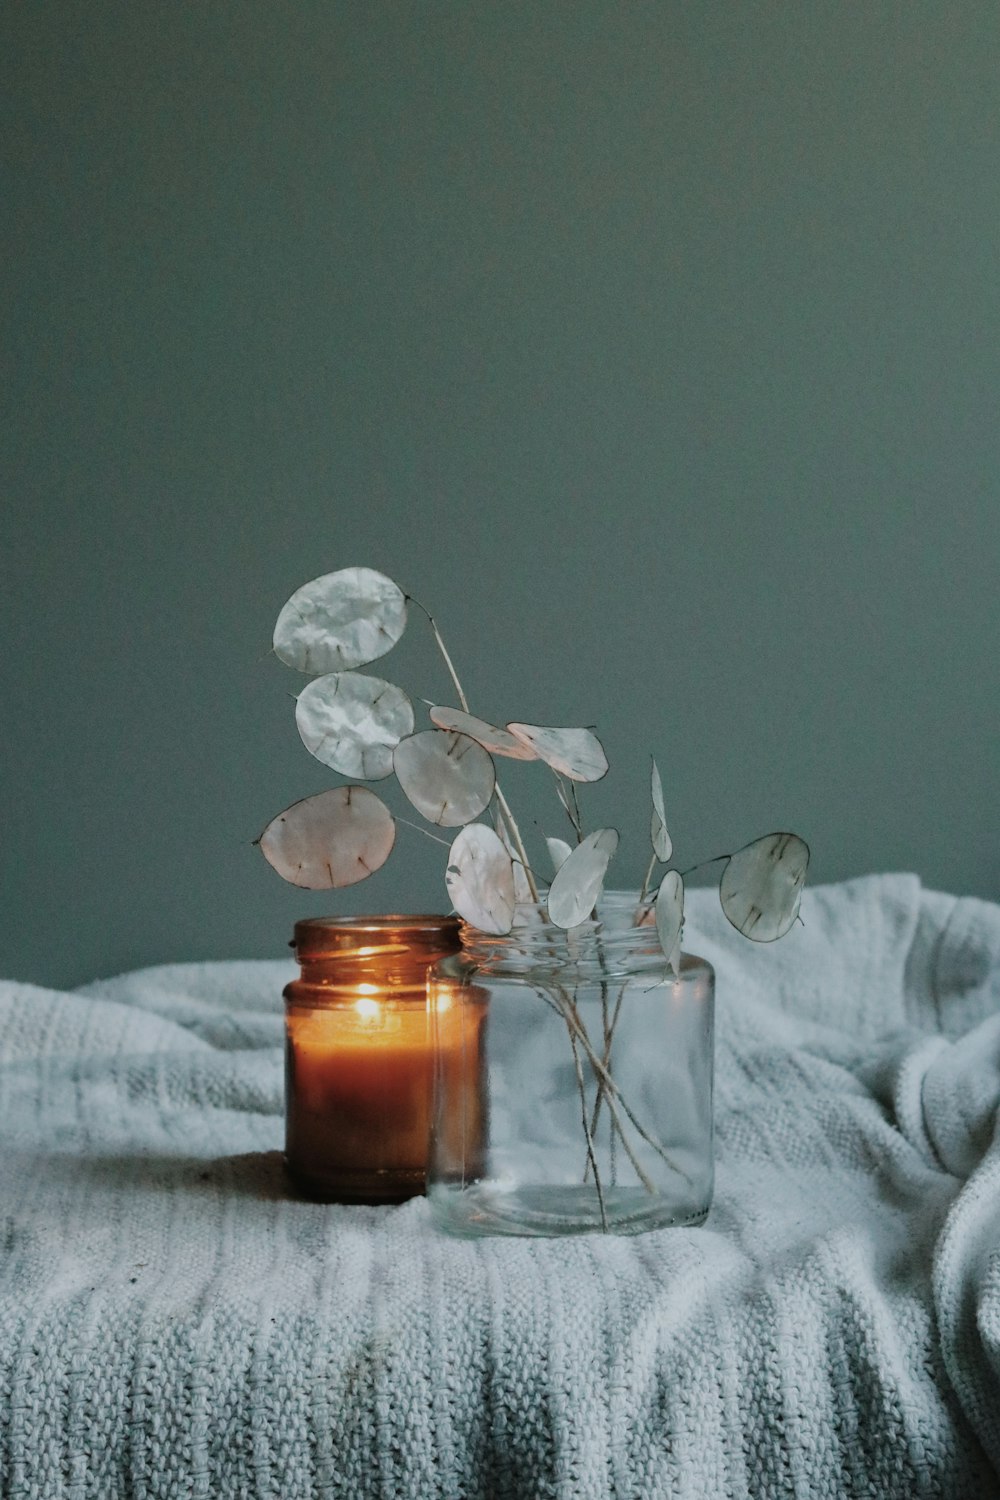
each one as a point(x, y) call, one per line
point(173, 1323)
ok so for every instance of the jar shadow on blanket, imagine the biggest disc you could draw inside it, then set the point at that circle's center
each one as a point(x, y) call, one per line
point(252, 1174)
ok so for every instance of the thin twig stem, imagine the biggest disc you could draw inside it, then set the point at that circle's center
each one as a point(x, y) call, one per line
point(600, 1087)
point(463, 700)
point(425, 831)
point(614, 1094)
point(576, 811)
point(591, 1157)
point(612, 1155)
point(645, 883)
point(515, 832)
point(571, 808)
point(609, 1035)
point(616, 1125)
point(702, 864)
point(618, 1132)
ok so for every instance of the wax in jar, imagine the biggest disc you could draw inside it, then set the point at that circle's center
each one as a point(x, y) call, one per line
point(360, 1090)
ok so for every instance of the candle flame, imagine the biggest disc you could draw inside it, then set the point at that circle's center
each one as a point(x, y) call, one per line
point(365, 1006)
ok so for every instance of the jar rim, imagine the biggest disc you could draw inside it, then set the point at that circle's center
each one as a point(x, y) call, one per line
point(377, 923)
point(611, 942)
point(345, 937)
point(615, 915)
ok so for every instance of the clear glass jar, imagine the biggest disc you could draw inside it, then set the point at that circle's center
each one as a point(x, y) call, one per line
point(358, 1057)
point(594, 1065)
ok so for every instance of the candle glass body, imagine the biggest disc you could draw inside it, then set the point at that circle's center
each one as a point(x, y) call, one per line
point(358, 1060)
point(596, 1065)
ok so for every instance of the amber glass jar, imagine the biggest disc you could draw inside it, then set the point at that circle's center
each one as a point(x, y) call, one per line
point(358, 1058)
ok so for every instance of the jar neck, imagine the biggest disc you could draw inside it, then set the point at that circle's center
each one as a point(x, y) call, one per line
point(620, 941)
point(386, 952)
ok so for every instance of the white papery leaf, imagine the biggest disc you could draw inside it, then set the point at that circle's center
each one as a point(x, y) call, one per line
point(670, 917)
point(761, 886)
point(496, 741)
point(340, 620)
point(480, 879)
point(447, 777)
point(559, 852)
point(334, 839)
point(579, 880)
point(662, 845)
point(576, 753)
point(353, 723)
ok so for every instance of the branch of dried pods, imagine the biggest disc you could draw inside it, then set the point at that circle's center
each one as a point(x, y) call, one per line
point(364, 727)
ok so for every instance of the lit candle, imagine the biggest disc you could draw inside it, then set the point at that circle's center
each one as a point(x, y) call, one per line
point(358, 1057)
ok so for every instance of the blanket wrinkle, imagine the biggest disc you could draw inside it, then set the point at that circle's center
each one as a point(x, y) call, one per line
point(175, 1322)
point(960, 1095)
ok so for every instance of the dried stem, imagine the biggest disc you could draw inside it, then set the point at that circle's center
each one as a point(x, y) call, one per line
point(570, 807)
point(612, 1138)
point(515, 832)
point(576, 811)
point(591, 1157)
point(645, 888)
point(609, 1034)
point(616, 1098)
point(619, 1134)
point(567, 1009)
point(463, 700)
point(425, 831)
point(703, 864)
point(615, 1122)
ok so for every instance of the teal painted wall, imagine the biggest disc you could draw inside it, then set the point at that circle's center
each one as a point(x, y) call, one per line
point(655, 346)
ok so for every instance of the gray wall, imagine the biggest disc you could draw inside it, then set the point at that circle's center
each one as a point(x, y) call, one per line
point(655, 346)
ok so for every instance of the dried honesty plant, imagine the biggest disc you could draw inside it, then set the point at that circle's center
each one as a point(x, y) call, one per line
point(365, 727)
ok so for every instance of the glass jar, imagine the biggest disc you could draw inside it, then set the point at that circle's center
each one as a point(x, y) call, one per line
point(594, 1067)
point(357, 1056)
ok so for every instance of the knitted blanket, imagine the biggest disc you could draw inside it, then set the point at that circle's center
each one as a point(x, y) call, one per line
point(173, 1324)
